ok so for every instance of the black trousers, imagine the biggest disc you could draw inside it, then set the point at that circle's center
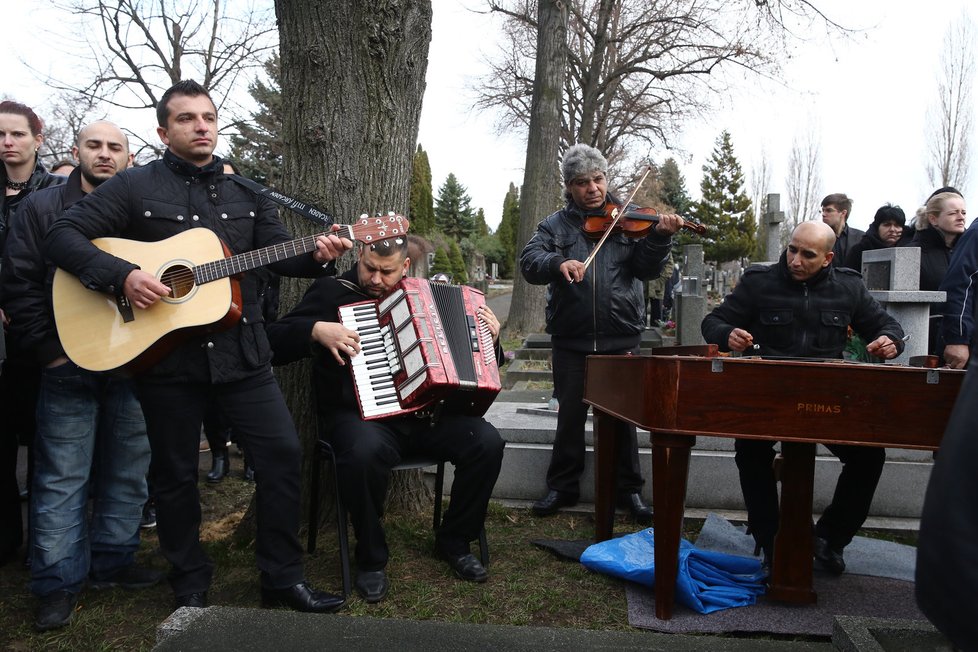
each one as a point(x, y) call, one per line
point(255, 409)
point(861, 470)
point(11, 517)
point(20, 380)
point(366, 451)
point(567, 458)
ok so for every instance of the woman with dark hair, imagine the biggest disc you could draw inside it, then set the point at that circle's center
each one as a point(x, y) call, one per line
point(21, 135)
point(887, 230)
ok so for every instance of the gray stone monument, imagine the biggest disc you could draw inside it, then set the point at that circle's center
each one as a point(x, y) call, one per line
point(774, 217)
point(690, 299)
point(892, 276)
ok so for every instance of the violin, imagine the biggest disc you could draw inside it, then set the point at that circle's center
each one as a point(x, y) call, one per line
point(633, 223)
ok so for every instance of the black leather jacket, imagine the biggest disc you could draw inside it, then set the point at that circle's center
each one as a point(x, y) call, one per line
point(27, 275)
point(162, 199)
point(800, 319)
point(40, 178)
point(605, 311)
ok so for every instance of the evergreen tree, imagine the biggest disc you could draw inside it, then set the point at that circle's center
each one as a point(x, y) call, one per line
point(453, 215)
point(508, 228)
point(725, 207)
point(479, 222)
point(674, 192)
point(441, 264)
point(422, 204)
point(257, 151)
point(459, 273)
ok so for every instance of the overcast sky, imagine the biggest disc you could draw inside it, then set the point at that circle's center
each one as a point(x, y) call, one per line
point(865, 95)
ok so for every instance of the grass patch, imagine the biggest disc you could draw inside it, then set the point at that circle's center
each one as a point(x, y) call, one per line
point(527, 585)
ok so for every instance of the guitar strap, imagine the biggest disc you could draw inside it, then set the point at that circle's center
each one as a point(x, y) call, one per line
point(311, 213)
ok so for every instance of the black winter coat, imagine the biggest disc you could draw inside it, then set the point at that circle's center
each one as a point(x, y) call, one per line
point(40, 178)
point(606, 310)
point(27, 274)
point(162, 199)
point(800, 319)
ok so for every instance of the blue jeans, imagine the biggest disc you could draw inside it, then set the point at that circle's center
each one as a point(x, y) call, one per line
point(91, 443)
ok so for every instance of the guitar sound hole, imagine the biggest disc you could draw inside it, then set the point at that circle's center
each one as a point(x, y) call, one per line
point(180, 280)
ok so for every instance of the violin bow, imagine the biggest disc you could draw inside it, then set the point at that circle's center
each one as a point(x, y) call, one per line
point(617, 215)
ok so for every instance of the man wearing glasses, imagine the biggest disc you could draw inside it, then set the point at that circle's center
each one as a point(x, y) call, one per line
point(835, 212)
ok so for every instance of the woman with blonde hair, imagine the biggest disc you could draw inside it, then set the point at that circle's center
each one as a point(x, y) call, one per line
point(936, 235)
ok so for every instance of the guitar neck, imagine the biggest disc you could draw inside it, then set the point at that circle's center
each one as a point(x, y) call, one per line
point(239, 263)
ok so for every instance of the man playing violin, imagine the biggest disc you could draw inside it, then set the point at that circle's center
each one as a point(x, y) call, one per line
point(231, 369)
point(802, 306)
point(596, 308)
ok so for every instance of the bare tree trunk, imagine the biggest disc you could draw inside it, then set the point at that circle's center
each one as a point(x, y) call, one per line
point(540, 196)
point(352, 82)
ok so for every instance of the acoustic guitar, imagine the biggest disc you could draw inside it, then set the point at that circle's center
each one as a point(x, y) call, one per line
point(101, 332)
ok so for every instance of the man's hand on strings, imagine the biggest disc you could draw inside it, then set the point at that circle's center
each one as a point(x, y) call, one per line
point(668, 224)
point(883, 347)
point(739, 340)
point(330, 247)
point(143, 290)
point(337, 339)
point(573, 270)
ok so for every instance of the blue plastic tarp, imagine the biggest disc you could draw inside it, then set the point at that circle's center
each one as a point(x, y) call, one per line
point(707, 581)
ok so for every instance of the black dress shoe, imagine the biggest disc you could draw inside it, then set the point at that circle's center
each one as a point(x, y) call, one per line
point(302, 597)
point(220, 467)
point(372, 585)
point(198, 600)
point(466, 566)
point(829, 557)
point(639, 511)
point(552, 502)
point(55, 610)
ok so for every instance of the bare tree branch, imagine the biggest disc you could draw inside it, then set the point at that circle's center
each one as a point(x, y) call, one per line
point(951, 116)
point(638, 69)
point(803, 180)
point(135, 49)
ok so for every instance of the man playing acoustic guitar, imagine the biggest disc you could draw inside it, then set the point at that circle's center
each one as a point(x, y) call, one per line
point(185, 190)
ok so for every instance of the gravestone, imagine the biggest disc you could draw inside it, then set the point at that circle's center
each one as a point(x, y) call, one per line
point(774, 217)
point(690, 299)
point(892, 276)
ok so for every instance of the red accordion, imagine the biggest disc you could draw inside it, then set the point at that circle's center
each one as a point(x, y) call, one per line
point(420, 346)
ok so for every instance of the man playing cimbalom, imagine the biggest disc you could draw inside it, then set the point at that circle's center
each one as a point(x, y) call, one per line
point(187, 189)
point(836, 209)
point(596, 310)
point(801, 307)
point(89, 425)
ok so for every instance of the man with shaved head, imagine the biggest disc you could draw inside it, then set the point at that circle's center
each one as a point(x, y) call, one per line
point(88, 424)
point(802, 307)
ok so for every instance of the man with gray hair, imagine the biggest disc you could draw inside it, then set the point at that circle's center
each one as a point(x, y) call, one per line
point(600, 309)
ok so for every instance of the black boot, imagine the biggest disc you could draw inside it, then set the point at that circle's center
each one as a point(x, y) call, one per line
point(220, 466)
